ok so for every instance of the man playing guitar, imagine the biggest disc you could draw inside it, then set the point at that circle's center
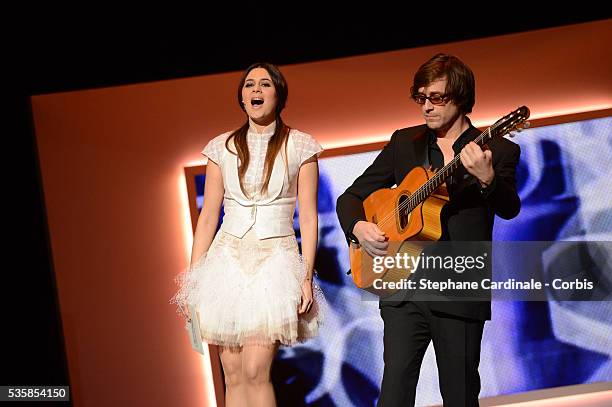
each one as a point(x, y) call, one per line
point(485, 186)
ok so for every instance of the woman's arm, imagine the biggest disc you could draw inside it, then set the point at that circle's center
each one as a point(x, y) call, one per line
point(209, 216)
point(308, 179)
point(307, 198)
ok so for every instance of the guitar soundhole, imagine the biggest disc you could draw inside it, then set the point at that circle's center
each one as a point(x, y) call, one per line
point(403, 213)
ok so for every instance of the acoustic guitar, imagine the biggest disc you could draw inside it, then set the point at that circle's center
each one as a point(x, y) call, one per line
point(409, 214)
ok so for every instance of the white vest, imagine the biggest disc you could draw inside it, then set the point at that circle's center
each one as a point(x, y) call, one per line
point(271, 215)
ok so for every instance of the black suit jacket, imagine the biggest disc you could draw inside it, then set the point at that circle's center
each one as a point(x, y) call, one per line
point(470, 213)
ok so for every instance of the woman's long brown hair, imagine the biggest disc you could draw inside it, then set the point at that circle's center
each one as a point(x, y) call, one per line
point(281, 133)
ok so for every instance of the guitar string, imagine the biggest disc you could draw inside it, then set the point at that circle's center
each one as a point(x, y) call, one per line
point(414, 200)
point(422, 192)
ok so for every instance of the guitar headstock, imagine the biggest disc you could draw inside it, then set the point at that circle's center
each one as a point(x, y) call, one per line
point(516, 120)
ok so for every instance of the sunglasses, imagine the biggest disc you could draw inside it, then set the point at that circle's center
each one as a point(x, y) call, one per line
point(435, 99)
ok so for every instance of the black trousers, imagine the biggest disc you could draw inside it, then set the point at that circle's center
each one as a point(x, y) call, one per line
point(409, 327)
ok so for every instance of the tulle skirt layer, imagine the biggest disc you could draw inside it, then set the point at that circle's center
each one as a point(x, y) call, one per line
point(247, 292)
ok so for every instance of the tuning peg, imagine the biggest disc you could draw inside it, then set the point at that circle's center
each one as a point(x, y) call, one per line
point(511, 135)
point(526, 125)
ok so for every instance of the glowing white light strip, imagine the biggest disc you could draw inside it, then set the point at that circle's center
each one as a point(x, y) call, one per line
point(209, 386)
point(592, 399)
point(375, 138)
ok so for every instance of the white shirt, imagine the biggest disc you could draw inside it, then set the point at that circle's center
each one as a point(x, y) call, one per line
point(271, 215)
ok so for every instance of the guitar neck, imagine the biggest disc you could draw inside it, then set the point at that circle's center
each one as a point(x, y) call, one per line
point(443, 173)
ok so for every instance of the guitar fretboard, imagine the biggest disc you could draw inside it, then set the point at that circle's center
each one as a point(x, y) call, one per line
point(443, 173)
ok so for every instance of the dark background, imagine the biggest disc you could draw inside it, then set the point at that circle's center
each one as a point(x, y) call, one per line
point(46, 53)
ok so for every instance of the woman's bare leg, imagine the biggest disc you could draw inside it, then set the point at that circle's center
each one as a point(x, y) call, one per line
point(256, 366)
point(235, 386)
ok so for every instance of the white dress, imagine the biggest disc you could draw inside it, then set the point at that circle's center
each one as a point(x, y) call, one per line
point(247, 290)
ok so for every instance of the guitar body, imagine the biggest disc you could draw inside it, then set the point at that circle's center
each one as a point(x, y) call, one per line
point(404, 231)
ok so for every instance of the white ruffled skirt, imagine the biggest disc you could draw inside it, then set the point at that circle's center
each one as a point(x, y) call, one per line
point(247, 292)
